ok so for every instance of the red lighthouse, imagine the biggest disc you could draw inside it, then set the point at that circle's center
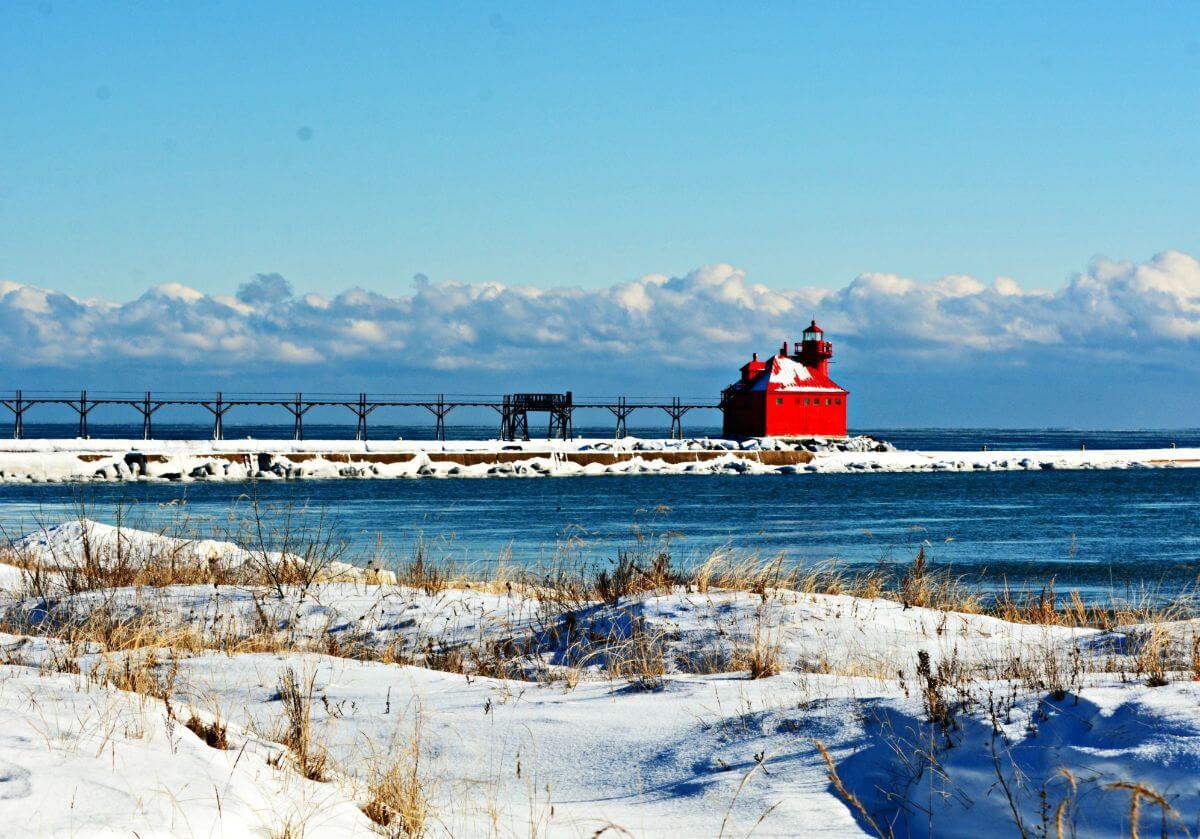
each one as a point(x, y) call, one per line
point(788, 395)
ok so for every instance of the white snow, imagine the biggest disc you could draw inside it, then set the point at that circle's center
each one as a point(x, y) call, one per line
point(790, 376)
point(84, 760)
point(699, 753)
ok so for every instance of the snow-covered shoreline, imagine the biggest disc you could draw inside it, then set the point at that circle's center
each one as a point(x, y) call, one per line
point(184, 460)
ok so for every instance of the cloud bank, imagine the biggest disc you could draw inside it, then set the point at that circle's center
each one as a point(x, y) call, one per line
point(695, 328)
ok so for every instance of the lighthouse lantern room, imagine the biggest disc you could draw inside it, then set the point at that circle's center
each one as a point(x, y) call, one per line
point(787, 395)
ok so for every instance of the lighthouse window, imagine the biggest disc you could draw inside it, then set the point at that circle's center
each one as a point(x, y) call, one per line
point(807, 401)
point(778, 400)
point(837, 402)
point(827, 401)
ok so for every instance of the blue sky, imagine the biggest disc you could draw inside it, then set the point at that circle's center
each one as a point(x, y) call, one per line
point(590, 143)
point(357, 145)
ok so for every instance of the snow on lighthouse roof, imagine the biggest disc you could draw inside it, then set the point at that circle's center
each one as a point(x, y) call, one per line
point(788, 375)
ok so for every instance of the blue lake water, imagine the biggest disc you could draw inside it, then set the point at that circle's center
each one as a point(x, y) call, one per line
point(1098, 530)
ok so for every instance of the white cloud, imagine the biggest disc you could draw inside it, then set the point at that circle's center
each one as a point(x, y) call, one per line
point(176, 291)
point(633, 297)
point(1007, 286)
point(710, 318)
point(290, 353)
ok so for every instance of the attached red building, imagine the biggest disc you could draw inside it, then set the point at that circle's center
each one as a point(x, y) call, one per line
point(788, 395)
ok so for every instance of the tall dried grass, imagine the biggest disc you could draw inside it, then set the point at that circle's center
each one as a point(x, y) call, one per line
point(566, 590)
point(297, 733)
point(398, 795)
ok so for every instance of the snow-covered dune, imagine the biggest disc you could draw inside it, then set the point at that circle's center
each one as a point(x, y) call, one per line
point(88, 761)
point(634, 715)
point(81, 542)
point(699, 756)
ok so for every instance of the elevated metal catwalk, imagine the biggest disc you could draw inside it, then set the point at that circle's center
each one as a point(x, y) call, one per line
point(513, 408)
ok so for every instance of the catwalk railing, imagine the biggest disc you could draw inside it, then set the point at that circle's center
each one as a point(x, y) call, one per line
point(514, 409)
